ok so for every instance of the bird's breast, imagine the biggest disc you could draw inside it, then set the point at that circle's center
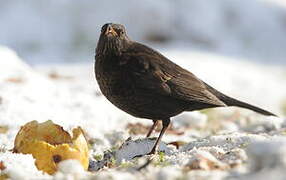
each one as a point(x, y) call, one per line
point(120, 89)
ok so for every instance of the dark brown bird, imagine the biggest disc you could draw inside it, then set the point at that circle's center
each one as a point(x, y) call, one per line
point(146, 84)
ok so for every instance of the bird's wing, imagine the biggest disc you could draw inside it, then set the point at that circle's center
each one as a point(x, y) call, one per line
point(145, 75)
point(154, 72)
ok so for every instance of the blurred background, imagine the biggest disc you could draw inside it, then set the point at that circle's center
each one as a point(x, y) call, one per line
point(60, 31)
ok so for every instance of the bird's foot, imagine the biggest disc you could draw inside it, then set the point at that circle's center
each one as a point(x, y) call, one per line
point(138, 156)
point(152, 152)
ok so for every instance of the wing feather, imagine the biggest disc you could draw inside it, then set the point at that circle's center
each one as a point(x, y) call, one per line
point(153, 71)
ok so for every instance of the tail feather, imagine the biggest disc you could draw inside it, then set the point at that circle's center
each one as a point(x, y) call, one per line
point(234, 102)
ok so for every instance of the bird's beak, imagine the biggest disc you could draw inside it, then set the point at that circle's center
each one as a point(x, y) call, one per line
point(110, 30)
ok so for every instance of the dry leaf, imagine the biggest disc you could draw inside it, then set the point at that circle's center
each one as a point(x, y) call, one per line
point(2, 166)
point(55, 75)
point(15, 80)
point(177, 144)
point(205, 161)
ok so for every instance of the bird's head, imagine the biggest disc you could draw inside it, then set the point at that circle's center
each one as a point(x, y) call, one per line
point(113, 39)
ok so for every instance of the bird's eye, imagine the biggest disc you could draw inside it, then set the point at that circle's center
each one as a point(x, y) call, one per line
point(104, 28)
point(120, 32)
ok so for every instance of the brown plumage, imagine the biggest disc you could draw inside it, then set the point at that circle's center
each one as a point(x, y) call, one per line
point(145, 84)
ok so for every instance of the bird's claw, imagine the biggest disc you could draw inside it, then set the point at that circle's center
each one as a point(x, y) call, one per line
point(152, 152)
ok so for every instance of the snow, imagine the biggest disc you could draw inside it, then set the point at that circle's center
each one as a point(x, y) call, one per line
point(275, 149)
point(19, 166)
point(70, 169)
point(229, 143)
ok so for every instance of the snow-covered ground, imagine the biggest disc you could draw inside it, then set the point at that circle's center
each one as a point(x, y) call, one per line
point(222, 143)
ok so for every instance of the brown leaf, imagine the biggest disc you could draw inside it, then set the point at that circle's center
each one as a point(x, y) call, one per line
point(55, 75)
point(203, 163)
point(15, 80)
point(177, 144)
point(2, 166)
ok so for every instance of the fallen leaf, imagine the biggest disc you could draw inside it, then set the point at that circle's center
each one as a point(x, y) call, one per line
point(177, 144)
point(55, 75)
point(205, 161)
point(15, 80)
point(2, 166)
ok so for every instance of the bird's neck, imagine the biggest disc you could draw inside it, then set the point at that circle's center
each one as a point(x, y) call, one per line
point(107, 60)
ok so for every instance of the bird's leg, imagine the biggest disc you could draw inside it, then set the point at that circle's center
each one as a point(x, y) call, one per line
point(155, 122)
point(165, 123)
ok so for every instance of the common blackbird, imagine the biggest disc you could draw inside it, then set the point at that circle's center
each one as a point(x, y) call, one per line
point(146, 84)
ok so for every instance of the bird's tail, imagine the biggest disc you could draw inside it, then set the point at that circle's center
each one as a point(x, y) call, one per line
point(234, 102)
